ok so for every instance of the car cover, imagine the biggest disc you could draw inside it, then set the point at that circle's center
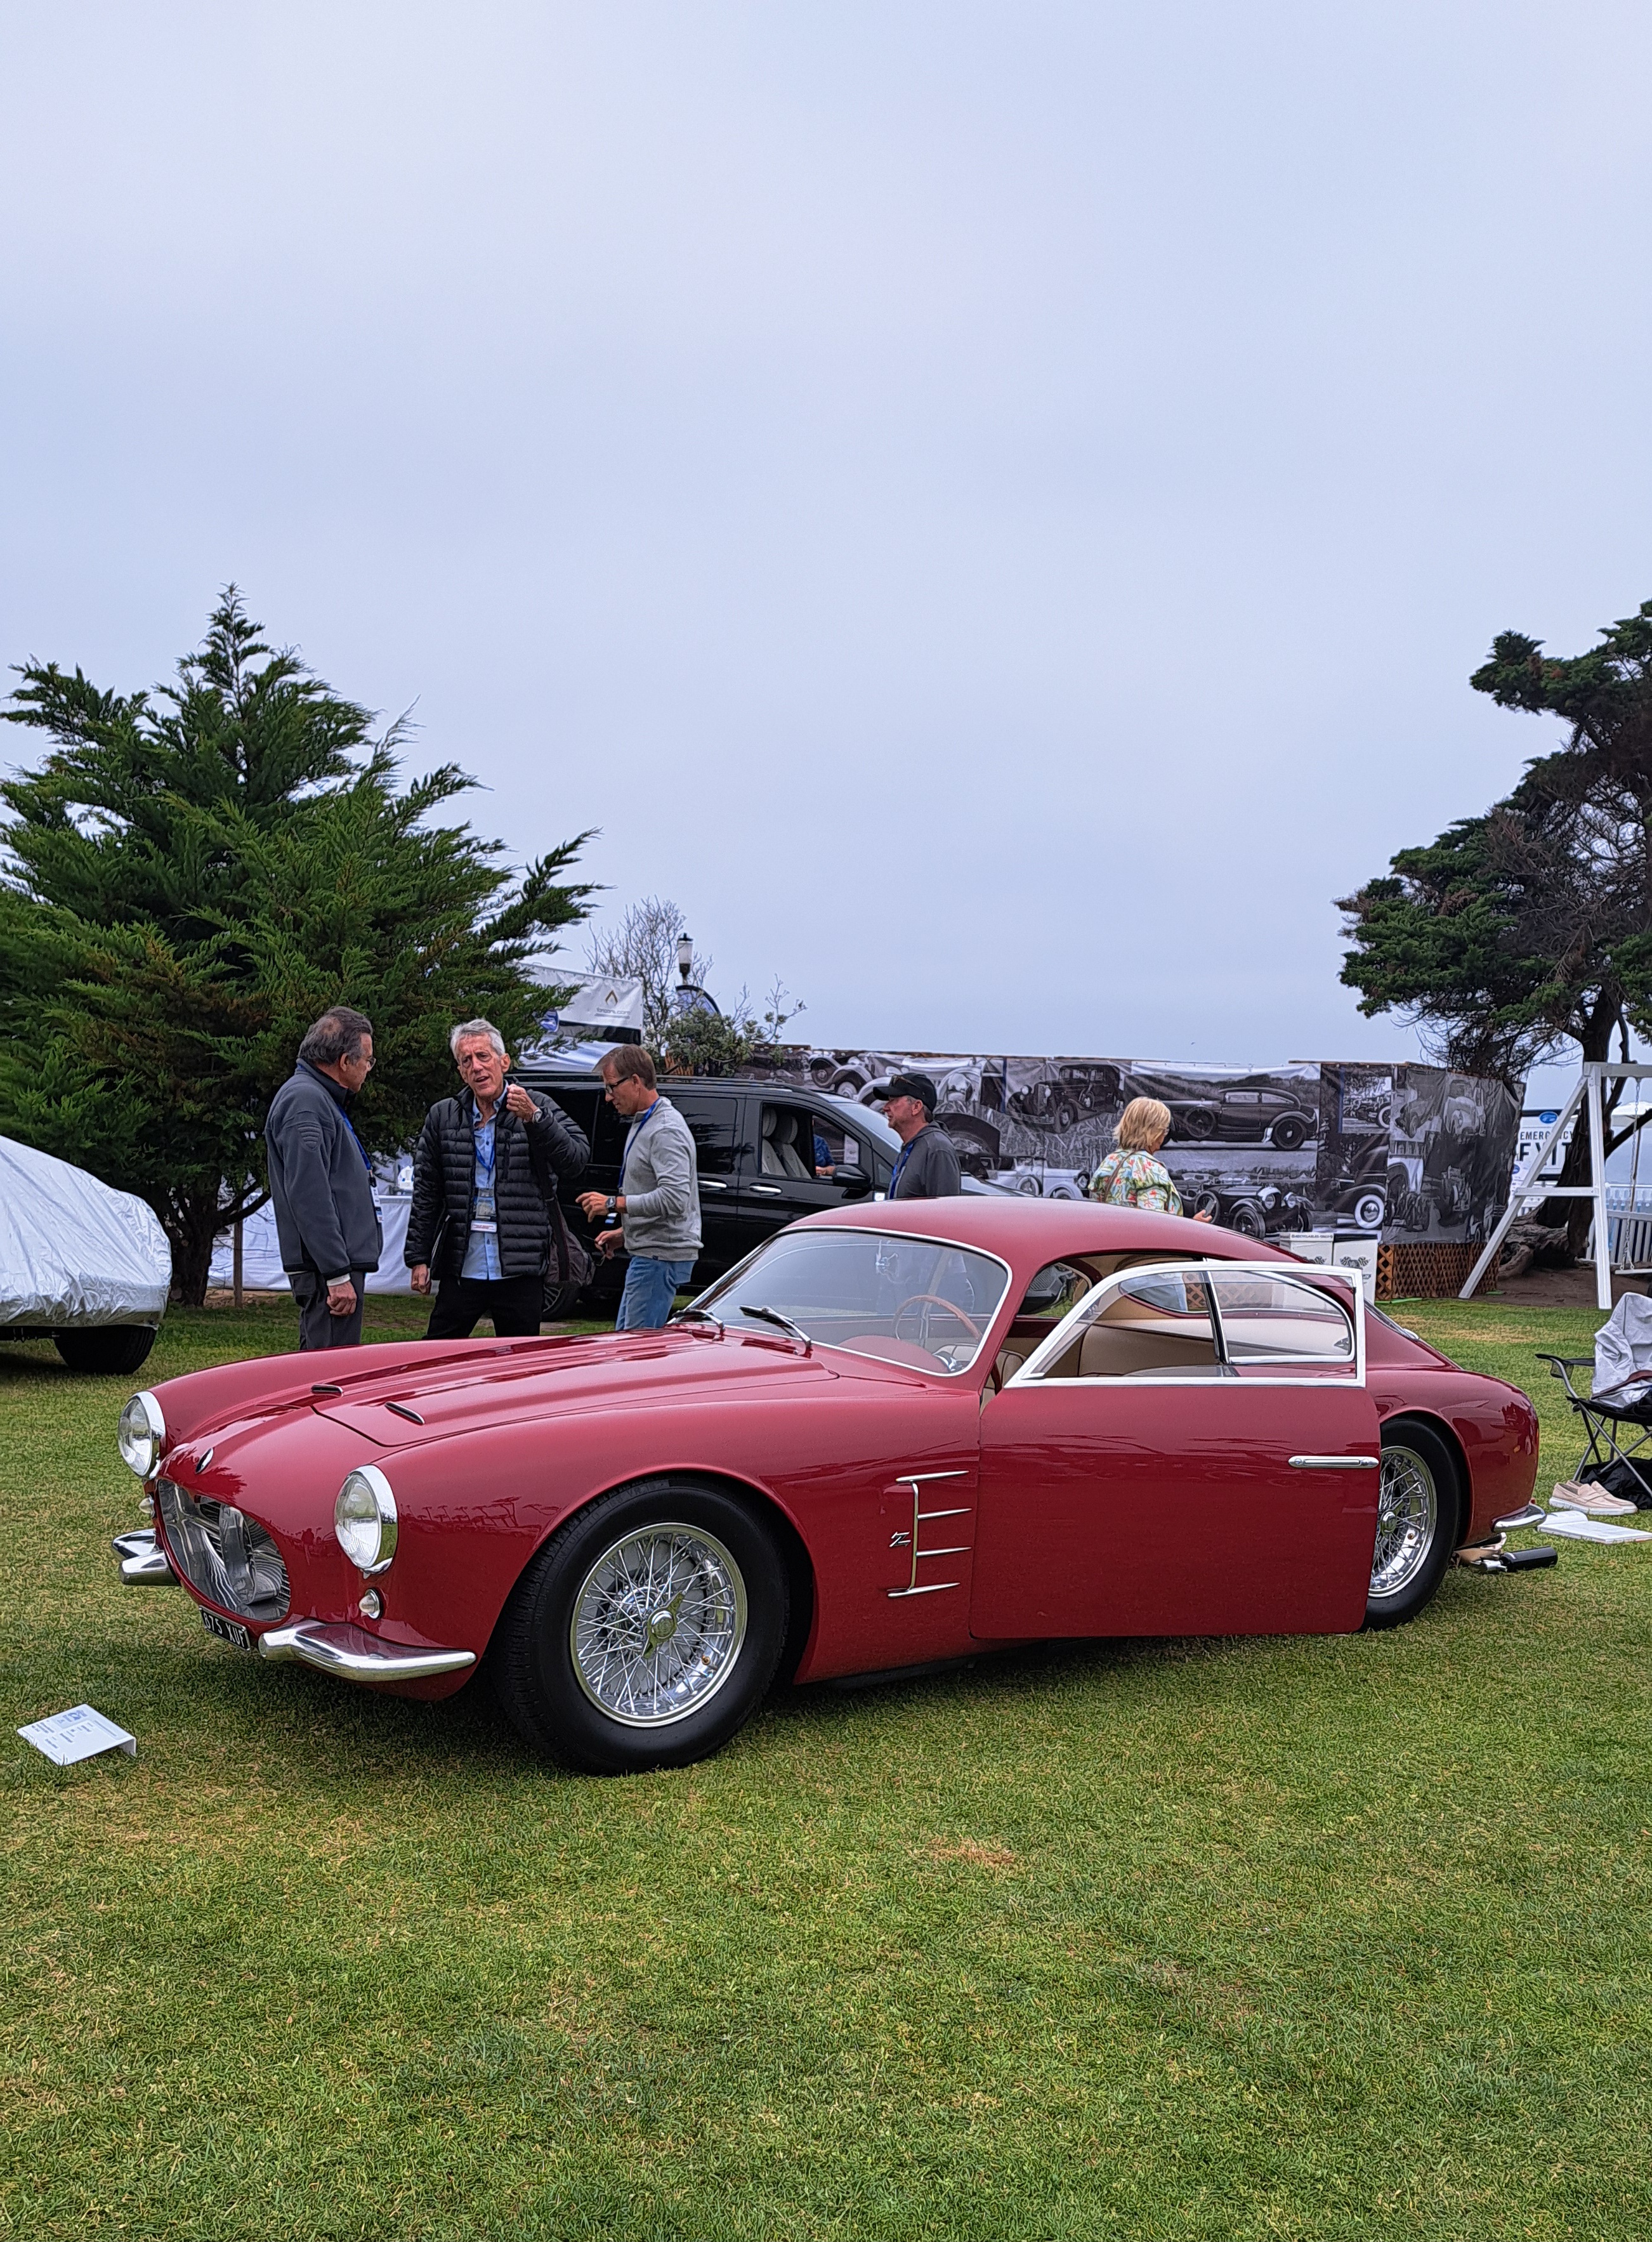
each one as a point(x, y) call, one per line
point(74, 1253)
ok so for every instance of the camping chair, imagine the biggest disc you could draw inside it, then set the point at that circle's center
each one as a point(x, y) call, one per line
point(1600, 1421)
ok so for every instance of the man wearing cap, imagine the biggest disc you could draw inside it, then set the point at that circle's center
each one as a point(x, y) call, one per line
point(928, 1167)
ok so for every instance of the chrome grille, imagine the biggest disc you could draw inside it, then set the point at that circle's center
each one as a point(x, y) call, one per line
point(224, 1554)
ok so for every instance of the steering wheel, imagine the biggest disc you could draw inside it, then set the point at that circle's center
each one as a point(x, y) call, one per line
point(927, 1300)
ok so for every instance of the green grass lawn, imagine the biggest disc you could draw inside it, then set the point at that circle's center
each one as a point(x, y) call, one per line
point(1302, 1938)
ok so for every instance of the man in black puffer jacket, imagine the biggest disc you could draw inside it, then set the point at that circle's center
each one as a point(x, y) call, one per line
point(486, 1167)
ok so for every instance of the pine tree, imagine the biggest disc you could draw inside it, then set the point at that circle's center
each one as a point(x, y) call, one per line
point(191, 877)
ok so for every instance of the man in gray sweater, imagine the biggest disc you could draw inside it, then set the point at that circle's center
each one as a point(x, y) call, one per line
point(326, 1217)
point(656, 1210)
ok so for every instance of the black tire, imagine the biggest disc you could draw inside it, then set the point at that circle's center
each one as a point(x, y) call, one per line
point(535, 1672)
point(1289, 1132)
point(1196, 1122)
point(114, 1352)
point(560, 1300)
point(1418, 1471)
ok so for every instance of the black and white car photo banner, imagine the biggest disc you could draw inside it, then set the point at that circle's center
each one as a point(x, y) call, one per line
point(1404, 1153)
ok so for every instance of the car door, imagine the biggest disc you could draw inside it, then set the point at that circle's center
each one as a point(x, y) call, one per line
point(713, 1115)
point(1191, 1452)
point(780, 1179)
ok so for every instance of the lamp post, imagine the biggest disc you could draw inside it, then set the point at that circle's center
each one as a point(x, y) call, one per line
point(685, 956)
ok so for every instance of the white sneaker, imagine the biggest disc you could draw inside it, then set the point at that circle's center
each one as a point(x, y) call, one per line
point(1569, 1495)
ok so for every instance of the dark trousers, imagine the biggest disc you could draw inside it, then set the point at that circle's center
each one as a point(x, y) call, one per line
point(317, 1327)
point(462, 1302)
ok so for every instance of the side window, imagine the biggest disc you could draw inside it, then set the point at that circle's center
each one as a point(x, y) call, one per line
point(787, 1145)
point(1054, 1292)
point(712, 1123)
point(586, 1109)
point(830, 1146)
point(1156, 1324)
point(1279, 1327)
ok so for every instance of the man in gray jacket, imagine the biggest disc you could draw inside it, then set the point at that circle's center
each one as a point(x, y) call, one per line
point(321, 1181)
point(656, 1210)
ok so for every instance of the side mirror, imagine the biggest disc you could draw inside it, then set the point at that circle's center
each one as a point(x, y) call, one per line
point(854, 1179)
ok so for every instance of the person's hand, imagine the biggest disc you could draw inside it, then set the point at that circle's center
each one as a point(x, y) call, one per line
point(1203, 1215)
point(593, 1205)
point(418, 1277)
point(341, 1298)
point(518, 1102)
point(610, 1241)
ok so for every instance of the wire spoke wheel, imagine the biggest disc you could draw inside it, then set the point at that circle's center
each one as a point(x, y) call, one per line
point(1407, 1521)
point(657, 1624)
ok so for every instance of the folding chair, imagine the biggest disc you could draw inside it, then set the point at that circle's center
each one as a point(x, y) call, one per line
point(1600, 1420)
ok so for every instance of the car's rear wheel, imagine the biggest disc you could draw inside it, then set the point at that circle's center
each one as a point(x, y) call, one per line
point(114, 1352)
point(1419, 1505)
point(645, 1632)
point(1288, 1131)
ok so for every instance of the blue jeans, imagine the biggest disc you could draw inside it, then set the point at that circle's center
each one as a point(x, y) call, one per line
point(650, 1287)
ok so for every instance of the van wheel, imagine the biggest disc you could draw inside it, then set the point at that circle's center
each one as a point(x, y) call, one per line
point(1419, 1507)
point(646, 1632)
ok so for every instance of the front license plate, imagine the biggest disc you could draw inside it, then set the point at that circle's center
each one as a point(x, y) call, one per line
point(227, 1630)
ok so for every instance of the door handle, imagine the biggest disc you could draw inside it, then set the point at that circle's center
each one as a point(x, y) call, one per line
point(768, 1191)
point(1335, 1463)
point(709, 1183)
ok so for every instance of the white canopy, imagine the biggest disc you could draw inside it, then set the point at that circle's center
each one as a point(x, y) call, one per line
point(74, 1253)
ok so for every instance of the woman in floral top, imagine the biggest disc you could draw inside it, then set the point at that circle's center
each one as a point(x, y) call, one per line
point(1131, 1177)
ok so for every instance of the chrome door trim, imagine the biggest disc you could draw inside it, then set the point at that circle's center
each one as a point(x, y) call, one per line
point(1052, 1349)
point(1335, 1463)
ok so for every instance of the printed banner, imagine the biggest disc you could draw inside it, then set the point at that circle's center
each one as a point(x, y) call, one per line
point(1404, 1152)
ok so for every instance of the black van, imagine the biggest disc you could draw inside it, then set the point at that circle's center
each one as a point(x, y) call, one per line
point(768, 1153)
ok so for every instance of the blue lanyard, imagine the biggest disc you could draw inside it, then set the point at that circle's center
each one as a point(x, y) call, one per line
point(477, 1128)
point(906, 1153)
point(637, 1127)
point(360, 1147)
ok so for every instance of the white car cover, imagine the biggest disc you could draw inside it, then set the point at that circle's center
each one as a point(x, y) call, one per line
point(73, 1253)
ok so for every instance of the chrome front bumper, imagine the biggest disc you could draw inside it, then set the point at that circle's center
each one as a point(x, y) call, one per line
point(335, 1646)
point(143, 1563)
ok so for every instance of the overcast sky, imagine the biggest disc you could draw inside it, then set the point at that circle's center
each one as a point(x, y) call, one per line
point(992, 509)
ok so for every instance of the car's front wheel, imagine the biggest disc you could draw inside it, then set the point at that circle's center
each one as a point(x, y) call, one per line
point(1419, 1505)
point(645, 1632)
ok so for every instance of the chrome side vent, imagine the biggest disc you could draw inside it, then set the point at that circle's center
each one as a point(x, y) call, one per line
point(224, 1555)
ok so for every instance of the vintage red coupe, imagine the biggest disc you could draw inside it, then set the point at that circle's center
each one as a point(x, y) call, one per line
point(893, 1435)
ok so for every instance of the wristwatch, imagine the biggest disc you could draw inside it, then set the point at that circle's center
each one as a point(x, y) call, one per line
point(613, 1210)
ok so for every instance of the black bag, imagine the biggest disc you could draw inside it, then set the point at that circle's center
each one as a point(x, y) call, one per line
point(568, 1269)
point(1622, 1479)
point(568, 1266)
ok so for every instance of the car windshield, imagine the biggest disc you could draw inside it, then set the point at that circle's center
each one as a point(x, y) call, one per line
point(914, 1300)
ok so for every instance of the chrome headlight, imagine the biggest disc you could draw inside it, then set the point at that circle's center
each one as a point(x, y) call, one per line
point(143, 1430)
point(363, 1518)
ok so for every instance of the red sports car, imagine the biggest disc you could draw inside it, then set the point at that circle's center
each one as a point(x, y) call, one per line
point(894, 1434)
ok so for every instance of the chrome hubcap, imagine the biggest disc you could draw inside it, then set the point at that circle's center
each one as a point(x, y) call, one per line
point(658, 1624)
point(1407, 1512)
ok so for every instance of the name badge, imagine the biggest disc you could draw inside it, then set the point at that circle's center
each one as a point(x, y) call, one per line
point(490, 1227)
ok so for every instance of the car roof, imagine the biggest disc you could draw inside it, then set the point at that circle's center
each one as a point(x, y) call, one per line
point(1017, 1228)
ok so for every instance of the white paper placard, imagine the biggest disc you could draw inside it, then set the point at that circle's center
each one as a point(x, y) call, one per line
point(1578, 1528)
point(81, 1733)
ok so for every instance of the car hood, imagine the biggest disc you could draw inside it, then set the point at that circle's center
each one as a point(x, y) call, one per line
point(411, 1404)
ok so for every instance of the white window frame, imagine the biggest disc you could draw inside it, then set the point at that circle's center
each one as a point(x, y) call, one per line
point(1316, 1275)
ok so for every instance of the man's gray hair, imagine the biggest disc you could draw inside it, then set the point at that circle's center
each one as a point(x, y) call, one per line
point(336, 1035)
point(496, 1041)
